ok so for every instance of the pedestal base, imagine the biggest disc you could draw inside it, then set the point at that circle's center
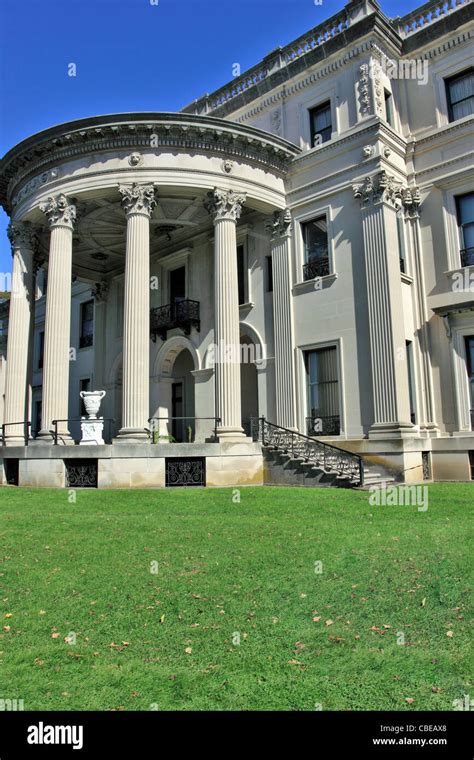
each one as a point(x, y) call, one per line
point(92, 433)
point(132, 435)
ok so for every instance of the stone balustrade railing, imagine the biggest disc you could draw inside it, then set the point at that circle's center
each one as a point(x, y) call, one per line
point(427, 14)
point(276, 60)
point(283, 56)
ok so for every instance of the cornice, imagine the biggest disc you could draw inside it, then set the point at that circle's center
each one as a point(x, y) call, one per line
point(148, 131)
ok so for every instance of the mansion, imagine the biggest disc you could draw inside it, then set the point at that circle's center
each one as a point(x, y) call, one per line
point(284, 267)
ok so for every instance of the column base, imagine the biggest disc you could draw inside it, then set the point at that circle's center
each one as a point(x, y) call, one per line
point(395, 430)
point(16, 440)
point(45, 437)
point(232, 435)
point(132, 435)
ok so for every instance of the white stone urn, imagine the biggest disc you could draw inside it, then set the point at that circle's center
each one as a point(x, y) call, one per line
point(92, 401)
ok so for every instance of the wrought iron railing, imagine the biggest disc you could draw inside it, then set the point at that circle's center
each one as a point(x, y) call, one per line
point(26, 430)
point(467, 257)
point(57, 434)
point(311, 450)
point(180, 429)
point(183, 314)
point(323, 425)
point(315, 268)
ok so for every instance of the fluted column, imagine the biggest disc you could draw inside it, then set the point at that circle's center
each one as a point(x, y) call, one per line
point(61, 215)
point(138, 202)
point(381, 196)
point(280, 230)
point(20, 328)
point(225, 206)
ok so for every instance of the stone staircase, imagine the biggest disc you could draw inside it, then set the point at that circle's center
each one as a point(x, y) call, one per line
point(291, 458)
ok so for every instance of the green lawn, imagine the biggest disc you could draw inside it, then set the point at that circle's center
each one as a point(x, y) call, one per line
point(171, 640)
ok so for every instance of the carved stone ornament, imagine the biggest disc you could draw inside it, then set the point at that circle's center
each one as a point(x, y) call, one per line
point(384, 187)
point(21, 235)
point(100, 291)
point(59, 212)
point(135, 159)
point(227, 166)
point(280, 224)
point(138, 199)
point(224, 204)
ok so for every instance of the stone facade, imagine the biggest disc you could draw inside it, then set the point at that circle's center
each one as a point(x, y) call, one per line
point(306, 215)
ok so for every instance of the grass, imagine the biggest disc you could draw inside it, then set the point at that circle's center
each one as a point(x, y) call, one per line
point(169, 641)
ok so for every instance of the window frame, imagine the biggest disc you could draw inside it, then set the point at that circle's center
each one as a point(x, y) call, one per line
point(324, 105)
point(461, 225)
point(447, 82)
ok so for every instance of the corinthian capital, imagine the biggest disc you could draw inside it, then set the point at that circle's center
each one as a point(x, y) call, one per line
point(384, 187)
point(21, 235)
point(279, 225)
point(224, 204)
point(138, 199)
point(59, 212)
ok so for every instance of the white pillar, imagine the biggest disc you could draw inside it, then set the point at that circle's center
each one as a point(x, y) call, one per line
point(20, 328)
point(61, 215)
point(280, 229)
point(225, 206)
point(381, 196)
point(138, 202)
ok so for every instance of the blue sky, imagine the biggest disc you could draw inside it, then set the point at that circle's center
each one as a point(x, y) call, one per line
point(133, 55)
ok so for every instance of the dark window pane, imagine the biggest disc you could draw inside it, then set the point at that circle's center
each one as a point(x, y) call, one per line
point(460, 95)
point(241, 273)
point(465, 214)
point(321, 124)
point(87, 324)
point(316, 253)
point(269, 273)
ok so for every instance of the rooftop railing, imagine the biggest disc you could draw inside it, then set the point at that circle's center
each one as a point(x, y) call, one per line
point(425, 15)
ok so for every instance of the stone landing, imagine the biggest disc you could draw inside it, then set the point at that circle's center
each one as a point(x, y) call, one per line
point(132, 465)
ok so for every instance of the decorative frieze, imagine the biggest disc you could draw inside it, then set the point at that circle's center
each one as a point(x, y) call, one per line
point(59, 211)
point(138, 199)
point(224, 205)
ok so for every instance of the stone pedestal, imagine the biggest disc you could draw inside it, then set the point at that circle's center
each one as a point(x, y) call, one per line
point(92, 433)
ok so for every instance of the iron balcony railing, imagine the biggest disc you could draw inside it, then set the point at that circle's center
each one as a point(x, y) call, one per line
point(467, 257)
point(183, 314)
point(181, 429)
point(311, 450)
point(323, 425)
point(315, 268)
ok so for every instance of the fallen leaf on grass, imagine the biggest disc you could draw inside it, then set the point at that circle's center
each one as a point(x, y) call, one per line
point(317, 619)
point(450, 634)
point(436, 689)
point(55, 635)
point(329, 622)
point(188, 650)
point(409, 700)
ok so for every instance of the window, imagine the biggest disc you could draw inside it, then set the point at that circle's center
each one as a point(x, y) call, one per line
point(316, 250)
point(401, 244)
point(388, 107)
point(241, 274)
point(323, 391)
point(321, 124)
point(465, 215)
point(470, 373)
point(40, 349)
point(269, 274)
point(87, 324)
point(411, 381)
point(460, 95)
point(84, 385)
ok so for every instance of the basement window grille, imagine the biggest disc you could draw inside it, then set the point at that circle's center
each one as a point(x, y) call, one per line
point(11, 471)
point(81, 473)
point(185, 472)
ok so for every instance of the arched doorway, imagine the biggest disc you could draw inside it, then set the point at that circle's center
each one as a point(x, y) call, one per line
point(182, 414)
point(174, 393)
